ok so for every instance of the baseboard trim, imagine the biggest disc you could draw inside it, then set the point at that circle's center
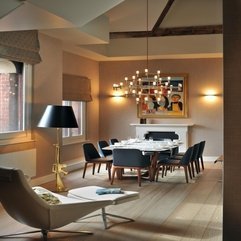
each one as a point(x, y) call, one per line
point(41, 180)
point(71, 166)
point(210, 158)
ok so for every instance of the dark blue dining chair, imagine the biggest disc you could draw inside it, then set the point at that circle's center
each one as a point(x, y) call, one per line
point(129, 158)
point(113, 141)
point(104, 153)
point(184, 162)
point(93, 157)
point(101, 145)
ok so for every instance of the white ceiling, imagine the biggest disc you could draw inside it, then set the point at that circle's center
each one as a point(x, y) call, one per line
point(84, 26)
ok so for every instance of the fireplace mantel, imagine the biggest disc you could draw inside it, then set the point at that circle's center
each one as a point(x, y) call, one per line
point(180, 129)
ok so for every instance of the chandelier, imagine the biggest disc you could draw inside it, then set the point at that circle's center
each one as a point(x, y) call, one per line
point(148, 87)
point(145, 86)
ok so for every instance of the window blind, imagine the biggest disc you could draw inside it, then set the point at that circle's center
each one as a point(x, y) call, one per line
point(76, 88)
point(22, 46)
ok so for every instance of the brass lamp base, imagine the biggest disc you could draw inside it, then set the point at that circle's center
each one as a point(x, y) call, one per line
point(57, 169)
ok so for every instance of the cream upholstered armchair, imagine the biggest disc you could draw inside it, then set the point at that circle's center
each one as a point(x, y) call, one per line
point(23, 204)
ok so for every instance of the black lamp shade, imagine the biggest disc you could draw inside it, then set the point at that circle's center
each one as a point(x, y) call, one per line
point(57, 116)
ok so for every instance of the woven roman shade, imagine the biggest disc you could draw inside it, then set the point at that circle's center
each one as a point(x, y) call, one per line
point(22, 46)
point(76, 88)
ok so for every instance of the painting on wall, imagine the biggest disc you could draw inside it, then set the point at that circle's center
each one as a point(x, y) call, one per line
point(167, 99)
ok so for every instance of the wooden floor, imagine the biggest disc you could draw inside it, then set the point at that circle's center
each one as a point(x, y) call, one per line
point(168, 210)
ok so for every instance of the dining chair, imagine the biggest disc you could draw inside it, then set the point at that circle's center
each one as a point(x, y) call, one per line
point(194, 159)
point(129, 158)
point(113, 141)
point(103, 153)
point(184, 162)
point(93, 157)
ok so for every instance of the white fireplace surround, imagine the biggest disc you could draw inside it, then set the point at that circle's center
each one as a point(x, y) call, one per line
point(180, 129)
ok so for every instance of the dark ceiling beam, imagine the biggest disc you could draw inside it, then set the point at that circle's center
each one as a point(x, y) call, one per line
point(192, 30)
point(162, 16)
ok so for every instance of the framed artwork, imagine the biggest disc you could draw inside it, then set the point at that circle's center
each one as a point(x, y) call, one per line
point(169, 102)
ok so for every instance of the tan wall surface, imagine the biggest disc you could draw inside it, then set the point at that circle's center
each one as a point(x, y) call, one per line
point(47, 89)
point(73, 64)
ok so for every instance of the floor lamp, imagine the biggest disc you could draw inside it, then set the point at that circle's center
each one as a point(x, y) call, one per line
point(56, 116)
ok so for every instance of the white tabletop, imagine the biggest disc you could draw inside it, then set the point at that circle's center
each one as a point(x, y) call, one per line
point(145, 145)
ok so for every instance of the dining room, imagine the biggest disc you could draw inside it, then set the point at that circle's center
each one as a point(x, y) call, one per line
point(208, 116)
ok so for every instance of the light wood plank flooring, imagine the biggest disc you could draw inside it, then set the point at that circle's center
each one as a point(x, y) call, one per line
point(168, 210)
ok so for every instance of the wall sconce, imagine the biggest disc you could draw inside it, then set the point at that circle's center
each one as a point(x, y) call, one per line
point(117, 88)
point(210, 96)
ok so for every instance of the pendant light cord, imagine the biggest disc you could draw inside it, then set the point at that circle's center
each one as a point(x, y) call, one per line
point(147, 44)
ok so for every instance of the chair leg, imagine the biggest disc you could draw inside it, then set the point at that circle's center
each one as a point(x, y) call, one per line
point(196, 166)
point(163, 170)
point(109, 170)
point(190, 172)
point(139, 176)
point(99, 167)
point(84, 169)
point(113, 175)
point(93, 169)
point(192, 166)
point(157, 173)
point(166, 170)
point(186, 175)
point(202, 162)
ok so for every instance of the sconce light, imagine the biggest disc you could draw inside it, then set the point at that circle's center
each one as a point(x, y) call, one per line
point(210, 95)
point(116, 86)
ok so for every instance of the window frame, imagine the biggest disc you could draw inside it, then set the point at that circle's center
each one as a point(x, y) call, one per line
point(24, 135)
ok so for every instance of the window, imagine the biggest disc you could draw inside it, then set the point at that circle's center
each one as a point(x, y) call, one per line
point(15, 100)
point(72, 135)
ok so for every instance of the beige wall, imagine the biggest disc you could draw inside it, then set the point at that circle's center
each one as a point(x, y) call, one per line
point(73, 64)
point(117, 114)
point(47, 89)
